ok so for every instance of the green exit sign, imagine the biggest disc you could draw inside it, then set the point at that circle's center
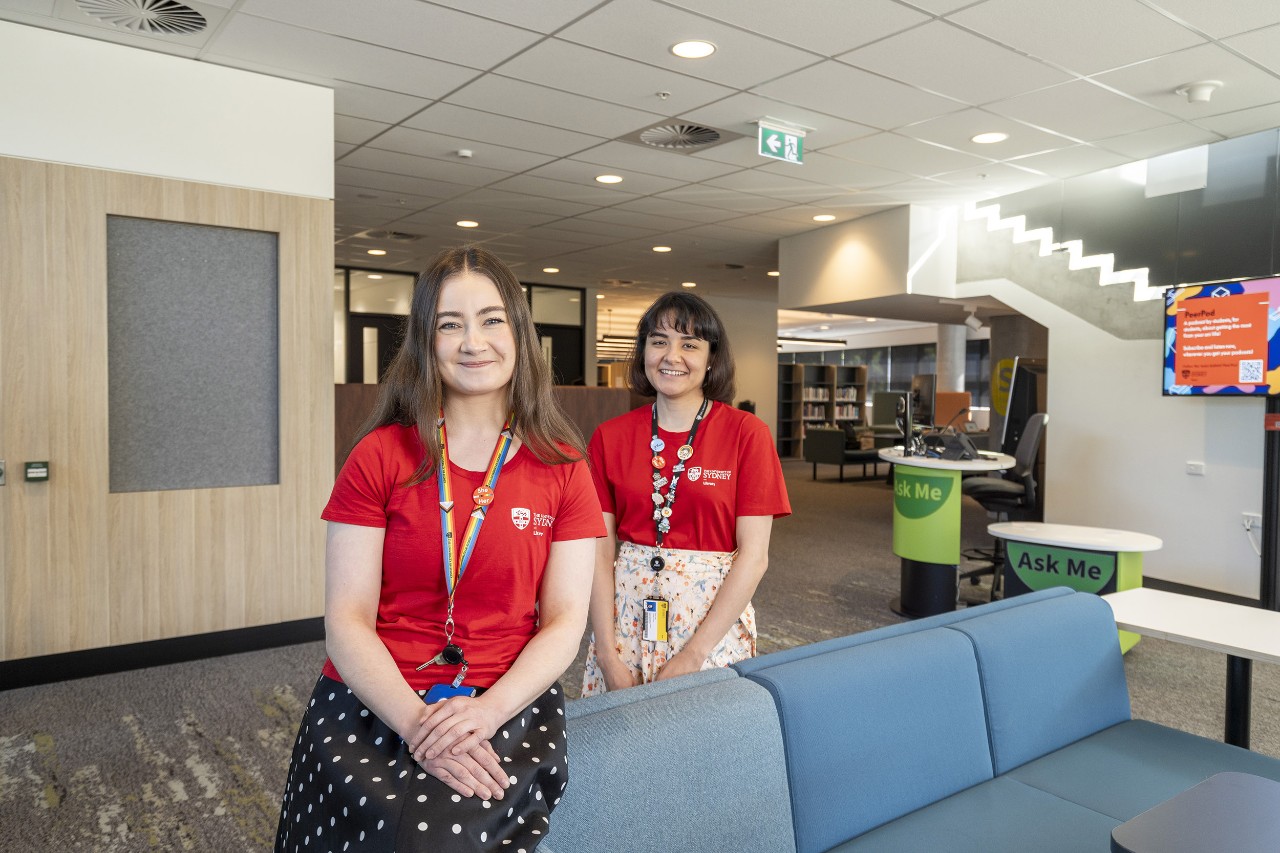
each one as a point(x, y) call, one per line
point(782, 144)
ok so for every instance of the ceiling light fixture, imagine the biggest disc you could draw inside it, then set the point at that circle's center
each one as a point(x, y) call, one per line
point(989, 137)
point(1198, 93)
point(973, 322)
point(467, 223)
point(601, 296)
point(688, 284)
point(824, 217)
point(812, 341)
point(872, 319)
point(377, 251)
point(609, 179)
point(662, 248)
point(552, 270)
point(373, 277)
point(773, 273)
point(693, 49)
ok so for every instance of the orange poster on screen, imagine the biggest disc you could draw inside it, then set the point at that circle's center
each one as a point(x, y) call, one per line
point(1221, 341)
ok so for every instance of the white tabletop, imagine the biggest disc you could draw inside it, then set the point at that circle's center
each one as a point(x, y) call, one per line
point(1233, 629)
point(1074, 536)
point(985, 462)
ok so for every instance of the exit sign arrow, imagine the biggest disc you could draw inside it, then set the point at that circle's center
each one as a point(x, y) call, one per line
point(782, 143)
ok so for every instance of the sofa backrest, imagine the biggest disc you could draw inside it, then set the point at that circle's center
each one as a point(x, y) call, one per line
point(1052, 673)
point(695, 763)
point(877, 730)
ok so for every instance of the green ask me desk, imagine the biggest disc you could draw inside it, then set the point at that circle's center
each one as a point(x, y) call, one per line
point(1088, 559)
point(926, 526)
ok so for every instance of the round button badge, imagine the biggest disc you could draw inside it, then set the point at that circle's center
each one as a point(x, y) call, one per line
point(483, 496)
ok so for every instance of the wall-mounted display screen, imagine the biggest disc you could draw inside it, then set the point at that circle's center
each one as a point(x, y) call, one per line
point(1222, 338)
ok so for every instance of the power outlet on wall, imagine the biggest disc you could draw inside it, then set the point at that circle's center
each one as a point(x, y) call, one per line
point(1251, 521)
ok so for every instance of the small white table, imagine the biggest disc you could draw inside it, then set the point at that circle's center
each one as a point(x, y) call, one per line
point(1244, 634)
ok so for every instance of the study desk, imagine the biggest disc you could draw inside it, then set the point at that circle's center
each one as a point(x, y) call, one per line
point(1098, 560)
point(1244, 634)
point(926, 526)
point(1228, 811)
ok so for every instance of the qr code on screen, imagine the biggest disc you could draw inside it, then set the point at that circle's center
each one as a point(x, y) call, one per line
point(1251, 370)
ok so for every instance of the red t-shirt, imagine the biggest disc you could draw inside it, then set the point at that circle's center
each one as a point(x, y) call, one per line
point(734, 471)
point(495, 603)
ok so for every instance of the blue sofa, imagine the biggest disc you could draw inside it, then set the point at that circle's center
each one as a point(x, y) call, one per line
point(997, 728)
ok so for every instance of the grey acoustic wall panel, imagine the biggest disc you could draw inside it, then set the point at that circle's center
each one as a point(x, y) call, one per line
point(193, 350)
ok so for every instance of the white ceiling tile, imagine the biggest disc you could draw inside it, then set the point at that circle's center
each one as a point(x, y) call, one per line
point(645, 30)
point(545, 16)
point(939, 7)
point(340, 148)
point(282, 46)
point(1069, 162)
point(945, 59)
point(1081, 110)
point(770, 225)
point(598, 195)
point(531, 203)
point(564, 235)
point(743, 153)
point(956, 130)
point(584, 175)
point(366, 102)
point(1220, 19)
point(673, 209)
point(1162, 140)
point(1087, 37)
point(446, 215)
point(741, 112)
point(903, 154)
point(504, 96)
point(826, 27)
point(474, 124)
point(766, 183)
point(724, 199)
point(404, 25)
point(403, 202)
point(990, 179)
point(836, 172)
point(422, 167)
point(635, 219)
point(560, 65)
point(611, 230)
point(839, 89)
point(389, 182)
point(653, 161)
point(422, 143)
point(356, 130)
point(1244, 122)
point(1154, 81)
point(1262, 46)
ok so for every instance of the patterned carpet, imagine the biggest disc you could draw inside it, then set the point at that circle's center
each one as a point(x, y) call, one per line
point(193, 756)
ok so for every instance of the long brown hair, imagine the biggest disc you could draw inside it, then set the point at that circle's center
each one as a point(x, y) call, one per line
point(688, 315)
point(412, 392)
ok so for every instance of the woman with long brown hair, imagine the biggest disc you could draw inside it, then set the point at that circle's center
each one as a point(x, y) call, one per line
point(460, 543)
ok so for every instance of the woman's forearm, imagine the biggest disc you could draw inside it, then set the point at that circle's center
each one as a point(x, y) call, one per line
point(372, 674)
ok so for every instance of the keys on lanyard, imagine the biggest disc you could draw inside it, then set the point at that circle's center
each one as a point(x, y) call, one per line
point(450, 655)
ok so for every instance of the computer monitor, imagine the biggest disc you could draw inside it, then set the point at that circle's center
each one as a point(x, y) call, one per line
point(923, 386)
point(1026, 397)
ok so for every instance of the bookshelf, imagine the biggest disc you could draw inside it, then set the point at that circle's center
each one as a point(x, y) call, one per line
point(818, 393)
point(790, 425)
point(850, 394)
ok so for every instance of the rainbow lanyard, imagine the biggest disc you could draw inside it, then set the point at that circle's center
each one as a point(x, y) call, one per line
point(455, 559)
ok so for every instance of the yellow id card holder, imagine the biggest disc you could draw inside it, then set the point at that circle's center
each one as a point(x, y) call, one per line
point(655, 620)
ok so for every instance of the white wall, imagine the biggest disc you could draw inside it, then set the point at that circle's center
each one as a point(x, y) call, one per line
point(753, 332)
point(75, 100)
point(1117, 451)
point(861, 259)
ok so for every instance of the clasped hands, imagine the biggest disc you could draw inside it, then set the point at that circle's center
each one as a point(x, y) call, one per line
point(451, 742)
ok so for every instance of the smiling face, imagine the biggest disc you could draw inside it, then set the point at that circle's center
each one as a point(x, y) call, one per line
point(475, 347)
point(675, 363)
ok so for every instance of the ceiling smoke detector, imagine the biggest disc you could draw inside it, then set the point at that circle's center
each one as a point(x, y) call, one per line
point(151, 17)
point(680, 136)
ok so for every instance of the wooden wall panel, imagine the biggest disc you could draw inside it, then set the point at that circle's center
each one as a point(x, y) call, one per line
point(82, 568)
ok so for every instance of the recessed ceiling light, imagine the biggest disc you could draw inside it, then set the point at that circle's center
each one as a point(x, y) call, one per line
point(693, 49)
point(466, 223)
point(373, 277)
point(823, 328)
point(609, 179)
point(823, 217)
point(599, 296)
point(773, 273)
point(872, 319)
point(573, 299)
point(688, 284)
point(989, 138)
point(662, 248)
point(551, 269)
point(377, 251)
point(390, 299)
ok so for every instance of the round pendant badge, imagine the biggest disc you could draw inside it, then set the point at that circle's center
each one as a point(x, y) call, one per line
point(685, 451)
point(657, 445)
point(658, 462)
point(657, 563)
point(666, 512)
point(483, 496)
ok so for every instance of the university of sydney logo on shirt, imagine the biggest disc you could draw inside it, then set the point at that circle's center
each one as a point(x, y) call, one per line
point(695, 474)
point(520, 517)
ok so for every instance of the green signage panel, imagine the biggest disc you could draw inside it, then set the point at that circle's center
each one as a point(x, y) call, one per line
point(784, 145)
point(926, 515)
point(1043, 566)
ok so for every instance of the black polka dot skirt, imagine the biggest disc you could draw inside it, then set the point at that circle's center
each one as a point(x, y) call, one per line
point(353, 786)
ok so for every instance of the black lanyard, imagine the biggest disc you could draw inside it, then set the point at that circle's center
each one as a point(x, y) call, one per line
point(662, 506)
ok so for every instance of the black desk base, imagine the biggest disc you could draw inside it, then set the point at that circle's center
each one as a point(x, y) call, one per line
point(1239, 692)
point(926, 589)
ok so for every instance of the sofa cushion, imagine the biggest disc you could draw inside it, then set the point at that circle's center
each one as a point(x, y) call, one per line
point(751, 665)
point(691, 769)
point(1051, 675)
point(1128, 768)
point(877, 730)
point(1000, 815)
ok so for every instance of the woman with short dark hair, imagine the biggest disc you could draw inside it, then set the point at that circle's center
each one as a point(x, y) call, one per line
point(674, 577)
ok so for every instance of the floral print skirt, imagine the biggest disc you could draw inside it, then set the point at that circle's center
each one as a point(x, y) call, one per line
point(689, 583)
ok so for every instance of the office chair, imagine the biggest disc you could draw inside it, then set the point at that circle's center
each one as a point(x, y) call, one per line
point(1012, 496)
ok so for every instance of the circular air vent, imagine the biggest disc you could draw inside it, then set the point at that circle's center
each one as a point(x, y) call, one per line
point(166, 17)
point(679, 136)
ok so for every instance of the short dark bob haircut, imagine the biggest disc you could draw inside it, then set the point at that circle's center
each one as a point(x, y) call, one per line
point(688, 315)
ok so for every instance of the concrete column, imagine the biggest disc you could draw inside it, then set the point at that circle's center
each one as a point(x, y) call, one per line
point(951, 353)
